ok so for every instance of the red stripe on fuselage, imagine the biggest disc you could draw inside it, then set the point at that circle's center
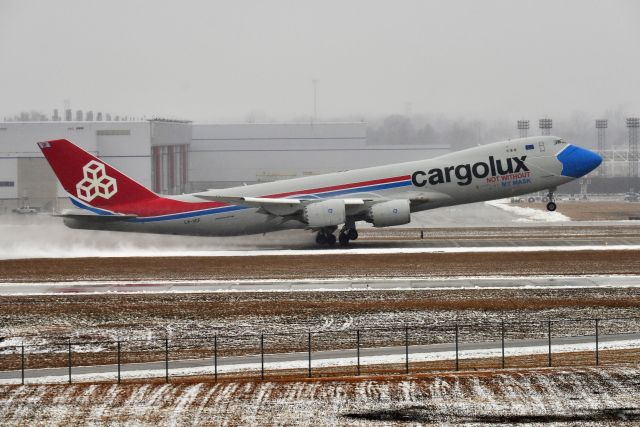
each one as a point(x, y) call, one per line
point(340, 187)
point(165, 206)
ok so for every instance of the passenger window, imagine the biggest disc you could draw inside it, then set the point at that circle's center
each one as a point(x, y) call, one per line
point(541, 145)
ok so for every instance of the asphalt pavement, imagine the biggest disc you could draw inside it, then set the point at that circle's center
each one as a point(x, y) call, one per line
point(114, 287)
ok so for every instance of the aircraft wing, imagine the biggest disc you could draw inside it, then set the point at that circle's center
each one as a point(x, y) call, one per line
point(260, 201)
point(274, 206)
point(285, 206)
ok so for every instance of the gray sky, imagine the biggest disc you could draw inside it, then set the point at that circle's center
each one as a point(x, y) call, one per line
point(220, 60)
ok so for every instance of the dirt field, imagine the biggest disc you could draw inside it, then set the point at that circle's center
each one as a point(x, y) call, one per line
point(592, 210)
point(322, 266)
point(184, 315)
point(142, 322)
point(575, 396)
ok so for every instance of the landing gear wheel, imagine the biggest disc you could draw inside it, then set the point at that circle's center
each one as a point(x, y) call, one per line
point(551, 206)
point(325, 237)
point(352, 234)
point(344, 239)
point(321, 238)
point(331, 239)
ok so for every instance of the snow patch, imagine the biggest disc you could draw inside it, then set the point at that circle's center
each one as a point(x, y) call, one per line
point(528, 214)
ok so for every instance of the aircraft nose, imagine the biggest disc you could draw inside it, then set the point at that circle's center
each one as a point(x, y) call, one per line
point(577, 161)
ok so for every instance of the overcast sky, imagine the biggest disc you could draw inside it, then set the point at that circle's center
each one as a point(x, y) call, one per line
point(220, 60)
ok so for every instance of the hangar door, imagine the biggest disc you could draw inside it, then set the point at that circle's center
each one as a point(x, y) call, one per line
point(37, 185)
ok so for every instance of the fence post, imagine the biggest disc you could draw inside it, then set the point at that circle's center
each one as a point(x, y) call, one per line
point(597, 344)
point(406, 349)
point(22, 362)
point(457, 361)
point(358, 348)
point(502, 333)
point(262, 356)
point(215, 357)
point(549, 334)
point(309, 351)
point(69, 360)
point(166, 359)
point(118, 360)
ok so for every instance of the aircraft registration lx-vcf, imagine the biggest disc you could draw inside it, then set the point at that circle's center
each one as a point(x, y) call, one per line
point(383, 196)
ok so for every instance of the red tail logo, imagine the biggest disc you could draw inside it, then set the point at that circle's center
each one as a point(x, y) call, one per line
point(95, 183)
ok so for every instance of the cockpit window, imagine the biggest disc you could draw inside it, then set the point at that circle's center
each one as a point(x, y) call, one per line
point(559, 141)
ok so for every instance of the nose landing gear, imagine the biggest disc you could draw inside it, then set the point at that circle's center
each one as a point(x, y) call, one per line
point(551, 206)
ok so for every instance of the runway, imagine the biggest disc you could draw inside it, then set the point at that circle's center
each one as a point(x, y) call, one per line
point(320, 359)
point(171, 286)
point(474, 227)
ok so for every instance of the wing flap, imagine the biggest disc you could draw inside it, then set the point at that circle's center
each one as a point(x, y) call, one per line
point(274, 205)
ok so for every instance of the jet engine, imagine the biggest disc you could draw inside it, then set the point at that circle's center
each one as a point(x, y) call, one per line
point(393, 212)
point(324, 214)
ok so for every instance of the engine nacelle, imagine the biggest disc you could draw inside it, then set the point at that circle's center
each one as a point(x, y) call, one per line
point(393, 212)
point(324, 214)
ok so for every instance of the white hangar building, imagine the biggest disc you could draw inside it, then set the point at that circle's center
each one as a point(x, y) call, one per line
point(173, 157)
point(227, 155)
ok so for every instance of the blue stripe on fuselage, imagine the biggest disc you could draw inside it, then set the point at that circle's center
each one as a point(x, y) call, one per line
point(368, 188)
point(191, 214)
point(80, 205)
point(231, 208)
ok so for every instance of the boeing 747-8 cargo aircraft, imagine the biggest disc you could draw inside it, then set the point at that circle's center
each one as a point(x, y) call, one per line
point(383, 195)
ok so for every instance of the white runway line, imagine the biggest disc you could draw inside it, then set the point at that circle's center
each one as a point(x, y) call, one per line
point(316, 285)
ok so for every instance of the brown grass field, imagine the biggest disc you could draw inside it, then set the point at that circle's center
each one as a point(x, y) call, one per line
point(322, 266)
point(141, 321)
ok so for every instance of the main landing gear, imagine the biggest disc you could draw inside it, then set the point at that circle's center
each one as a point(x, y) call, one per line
point(551, 206)
point(326, 237)
point(347, 234)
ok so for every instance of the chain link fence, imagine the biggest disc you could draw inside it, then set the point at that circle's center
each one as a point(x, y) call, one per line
point(383, 350)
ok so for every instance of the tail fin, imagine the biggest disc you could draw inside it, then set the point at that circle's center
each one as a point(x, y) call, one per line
point(91, 180)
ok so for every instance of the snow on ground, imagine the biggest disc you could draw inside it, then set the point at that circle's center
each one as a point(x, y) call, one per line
point(528, 214)
point(576, 396)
